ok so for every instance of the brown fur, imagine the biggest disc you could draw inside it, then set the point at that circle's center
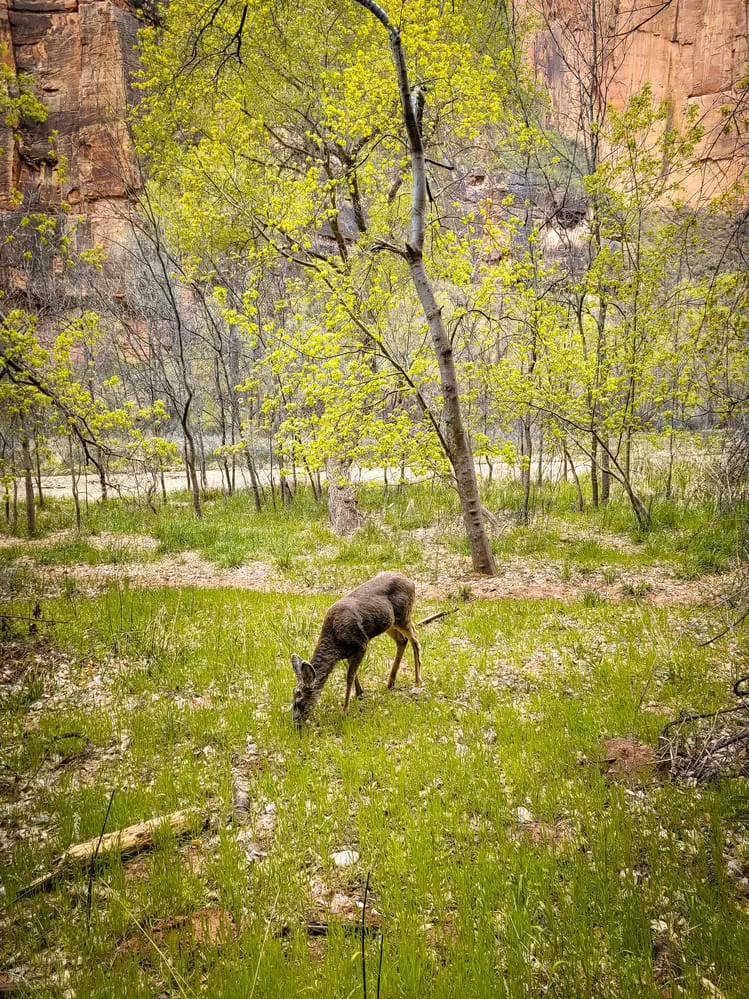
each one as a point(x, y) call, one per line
point(381, 605)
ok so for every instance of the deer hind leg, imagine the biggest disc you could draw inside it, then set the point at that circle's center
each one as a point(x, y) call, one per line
point(353, 665)
point(401, 644)
point(410, 631)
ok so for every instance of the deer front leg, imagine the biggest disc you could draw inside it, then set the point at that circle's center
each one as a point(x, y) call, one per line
point(353, 665)
point(401, 644)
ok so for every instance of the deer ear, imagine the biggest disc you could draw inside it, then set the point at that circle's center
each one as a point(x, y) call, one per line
point(296, 665)
point(303, 670)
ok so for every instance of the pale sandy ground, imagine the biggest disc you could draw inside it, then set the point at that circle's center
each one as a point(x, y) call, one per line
point(445, 576)
point(60, 487)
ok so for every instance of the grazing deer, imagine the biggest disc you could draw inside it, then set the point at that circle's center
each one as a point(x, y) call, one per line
point(380, 605)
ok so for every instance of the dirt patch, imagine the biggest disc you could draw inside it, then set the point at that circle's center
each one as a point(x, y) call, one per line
point(185, 570)
point(341, 902)
point(627, 758)
point(441, 936)
point(520, 581)
point(654, 586)
point(444, 573)
point(19, 657)
point(132, 542)
point(553, 836)
point(208, 927)
point(12, 541)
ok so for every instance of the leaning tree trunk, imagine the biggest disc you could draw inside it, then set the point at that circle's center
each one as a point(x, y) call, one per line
point(343, 511)
point(459, 449)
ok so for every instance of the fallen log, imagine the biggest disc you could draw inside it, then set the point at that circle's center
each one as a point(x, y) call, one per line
point(124, 842)
point(436, 617)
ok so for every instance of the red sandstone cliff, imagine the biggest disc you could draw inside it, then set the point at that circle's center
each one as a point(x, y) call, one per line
point(691, 51)
point(81, 53)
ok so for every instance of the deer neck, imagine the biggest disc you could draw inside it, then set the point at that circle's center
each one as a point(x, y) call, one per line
point(324, 658)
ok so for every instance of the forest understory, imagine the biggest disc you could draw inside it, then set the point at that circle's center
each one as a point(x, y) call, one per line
point(528, 821)
point(371, 298)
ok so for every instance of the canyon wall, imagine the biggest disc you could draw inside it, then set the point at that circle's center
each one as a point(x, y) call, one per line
point(691, 52)
point(81, 53)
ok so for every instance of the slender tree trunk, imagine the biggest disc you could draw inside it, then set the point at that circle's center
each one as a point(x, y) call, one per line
point(525, 470)
point(187, 468)
point(15, 503)
point(190, 464)
point(540, 468)
point(605, 475)
point(594, 470)
point(38, 466)
point(254, 481)
point(575, 479)
point(310, 476)
point(74, 484)
point(459, 449)
point(102, 479)
point(461, 455)
point(203, 471)
point(641, 512)
point(28, 479)
point(163, 483)
point(272, 483)
point(670, 474)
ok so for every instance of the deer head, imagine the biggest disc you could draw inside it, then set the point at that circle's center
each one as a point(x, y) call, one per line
point(305, 695)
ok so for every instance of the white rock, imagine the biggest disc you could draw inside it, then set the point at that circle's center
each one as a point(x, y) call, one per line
point(524, 814)
point(344, 858)
point(735, 869)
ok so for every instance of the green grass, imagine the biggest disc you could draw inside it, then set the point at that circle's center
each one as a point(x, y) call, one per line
point(298, 545)
point(690, 534)
point(518, 697)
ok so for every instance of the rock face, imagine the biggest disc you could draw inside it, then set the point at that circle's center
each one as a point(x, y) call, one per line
point(81, 53)
point(690, 51)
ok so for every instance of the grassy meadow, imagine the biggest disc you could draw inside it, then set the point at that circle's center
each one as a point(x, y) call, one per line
point(504, 857)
